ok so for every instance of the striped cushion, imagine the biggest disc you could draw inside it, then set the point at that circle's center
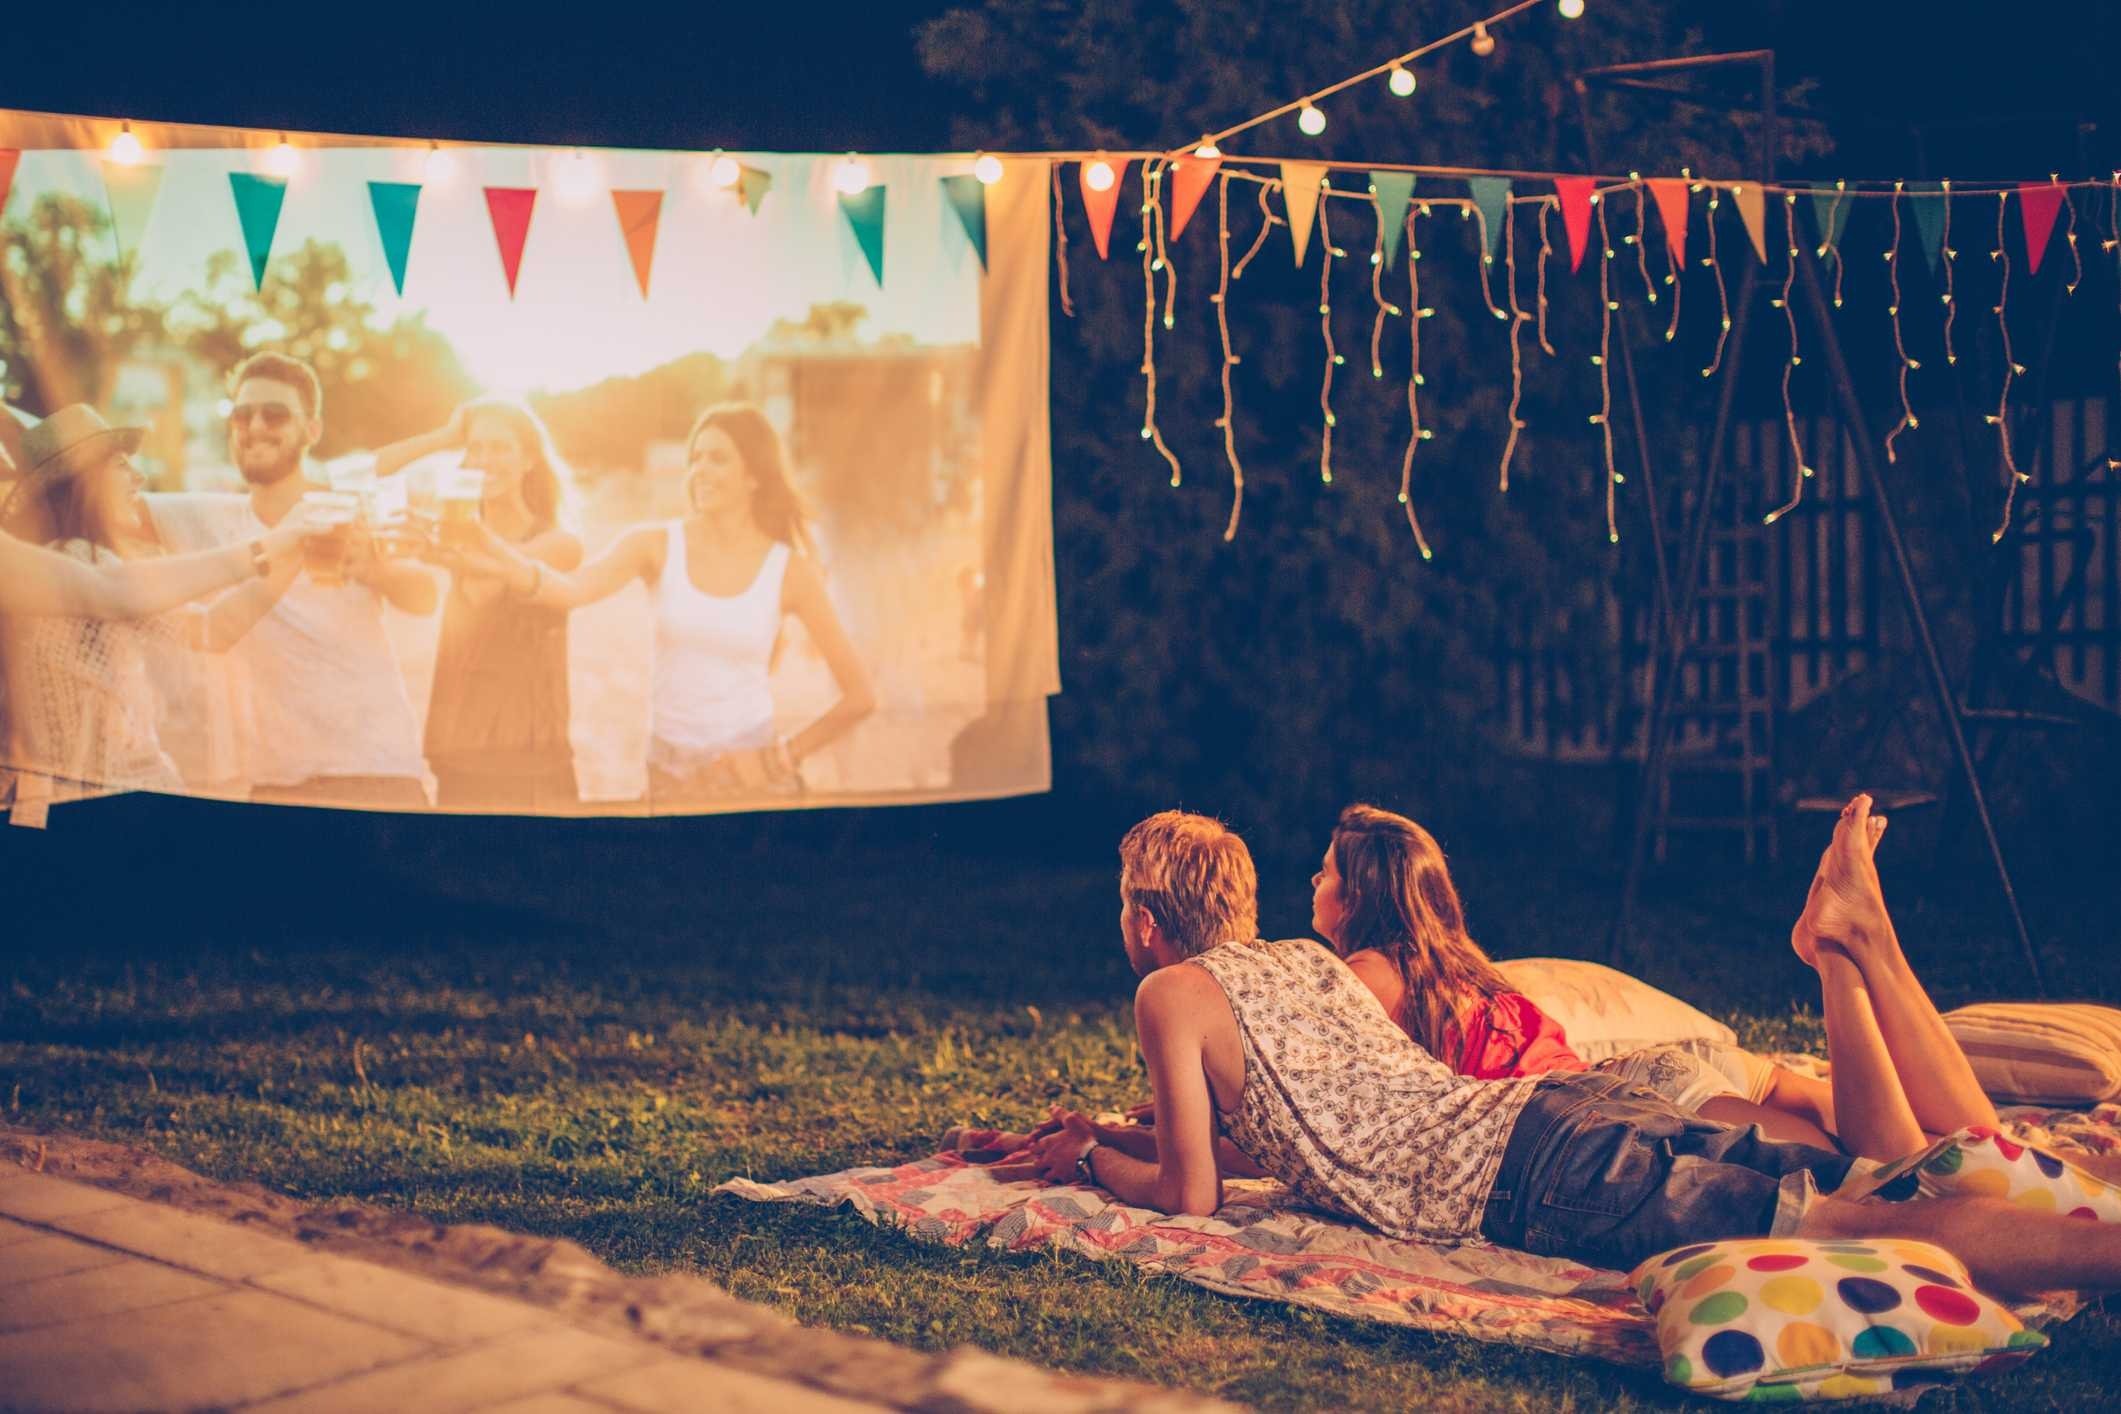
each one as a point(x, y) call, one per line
point(2042, 1053)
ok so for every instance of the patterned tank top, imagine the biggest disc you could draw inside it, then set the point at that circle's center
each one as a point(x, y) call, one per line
point(1339, 1105)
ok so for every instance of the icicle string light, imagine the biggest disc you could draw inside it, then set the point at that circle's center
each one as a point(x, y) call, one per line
point(1950, 255)
point(1604, 418)
point(1325, 325)
point(1641, 237)
point(1060, 244)
point(1789, 368)
point(1487, 291)
point(1152, 204)
point(1546, 248)
point(1416, 433)
point(2001, 417)
point(1268, 221)
point(1907, 420)
point(1228, 421)
point(1672, 272)
point(1518, 319)
point(1827, 244)
point(2076, 261)
point(1723, 296)
point(1377, 292)
point(1162, 260)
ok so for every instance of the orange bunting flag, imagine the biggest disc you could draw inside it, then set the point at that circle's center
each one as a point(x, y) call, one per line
point(2039, 203)
point(1670, 194)
point(639, 212)
point(1099, 206)
point(1300, 185)
point(1752, 209)
point(1190, 180)
point(509, 209)
point(1575, 194)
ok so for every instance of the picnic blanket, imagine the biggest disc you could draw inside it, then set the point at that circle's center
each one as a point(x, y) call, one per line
point(1265, 1244)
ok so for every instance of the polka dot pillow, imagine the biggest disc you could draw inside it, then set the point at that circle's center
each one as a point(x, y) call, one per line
point(1978, 1161)
point(1770, 1319)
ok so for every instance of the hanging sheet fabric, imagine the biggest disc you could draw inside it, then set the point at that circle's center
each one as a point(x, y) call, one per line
point(808, 471)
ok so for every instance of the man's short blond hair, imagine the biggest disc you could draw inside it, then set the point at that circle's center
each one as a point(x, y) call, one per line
point(1195, 877)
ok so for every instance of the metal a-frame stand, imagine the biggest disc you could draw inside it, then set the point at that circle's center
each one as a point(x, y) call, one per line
point(1675, 621)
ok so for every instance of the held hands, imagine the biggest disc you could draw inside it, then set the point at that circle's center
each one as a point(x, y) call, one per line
point(1051, 1152)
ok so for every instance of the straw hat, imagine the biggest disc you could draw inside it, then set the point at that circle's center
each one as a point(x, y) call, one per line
point(76, 427)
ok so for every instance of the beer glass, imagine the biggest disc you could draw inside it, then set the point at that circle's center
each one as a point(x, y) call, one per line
point(458, 492)
point(324, 553)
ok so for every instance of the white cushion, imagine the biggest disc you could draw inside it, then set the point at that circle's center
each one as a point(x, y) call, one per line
point(1608, 1013)
point(2042, 1053)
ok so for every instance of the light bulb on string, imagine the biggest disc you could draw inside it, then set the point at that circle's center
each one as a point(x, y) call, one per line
point(1207, 151)
point(440, 165)
point(725, 171)
point(1311, 119)
point(1402, 82)
point(1482, 42)
point(988, 168)
point(1569, 9)
point(851, 176)
point(1099, 176)
point(283, 161)
point(125, 148)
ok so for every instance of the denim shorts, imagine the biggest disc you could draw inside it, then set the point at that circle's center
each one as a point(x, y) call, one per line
point(1606, 1173)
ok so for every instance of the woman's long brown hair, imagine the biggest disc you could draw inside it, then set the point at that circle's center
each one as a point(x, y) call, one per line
point(1397, 897)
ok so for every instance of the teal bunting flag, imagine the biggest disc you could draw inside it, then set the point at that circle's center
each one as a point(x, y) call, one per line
point(1928, 199)
point(753, 185)
point(967, 196)
point(258, 202)
point(1492, 196)
point(1830, 213)
point(1393, 191)
point(865, 217)
point(395, 204)
point(131, 191)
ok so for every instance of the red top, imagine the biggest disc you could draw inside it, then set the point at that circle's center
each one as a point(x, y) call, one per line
point(1512, 1037)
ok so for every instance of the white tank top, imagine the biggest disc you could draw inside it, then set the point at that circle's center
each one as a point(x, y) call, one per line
point(712, 692)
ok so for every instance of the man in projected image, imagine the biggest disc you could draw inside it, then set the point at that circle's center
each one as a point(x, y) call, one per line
point(330, 721)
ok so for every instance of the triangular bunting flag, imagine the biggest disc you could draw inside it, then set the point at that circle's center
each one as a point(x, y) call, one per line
point(1492, 196)
point(639, 213)
point(1670, 194)
point(2039, 203)
point(1930, 201)
point(1190, 179)
point(8, 158)
point(752, 185)
point(865, 216)
point(1393, 191)
point(509, 208)
point(1099, 205)
point(1575, 194)
point(967, 196)
point(1751, 201)
point(258, 202)
point(1299, 193)
point(1830, 212)
point(132, 193)
point(396, 204)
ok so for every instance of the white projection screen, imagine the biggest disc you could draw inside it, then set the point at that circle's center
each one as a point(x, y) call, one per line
point(578, 482)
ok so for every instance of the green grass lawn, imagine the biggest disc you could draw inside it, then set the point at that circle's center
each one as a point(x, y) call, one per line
point(805, 1012)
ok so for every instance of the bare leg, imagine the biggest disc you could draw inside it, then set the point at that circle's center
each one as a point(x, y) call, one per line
point(1775, 1122)
point(1802, 1096)
point(1847, 906)
point(1876, 1121)
point(2006, 1248)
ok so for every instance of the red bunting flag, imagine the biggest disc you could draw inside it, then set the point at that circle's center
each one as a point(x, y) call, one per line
point(8, 158)
point(1190, 179)
point(2039, 203)
point(1670, 194)
point(1575, 194)
point(1100, 205)
point(509, 208)
point(639, 212)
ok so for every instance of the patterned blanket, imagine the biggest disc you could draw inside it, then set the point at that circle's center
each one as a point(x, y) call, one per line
point(1264, 1244)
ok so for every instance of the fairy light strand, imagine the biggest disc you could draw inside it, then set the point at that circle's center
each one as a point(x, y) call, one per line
point(1416, 433)
point(1152, 201)
point(1546, 248)
point(1640, 238)
point(1907, 422)
point(2076, 261)
point(1518, 319)
point(1471, 211)
point(1606, 305)
point(1060, 244)
point(1723, 295)
point(1325, 325)
point(2001, 417)
point(1950, 258)
point(1385, 307)
point(1228, 421)
point(1672, 272)
point(1828, 246)
point(1789, 367)
point(1268, 221)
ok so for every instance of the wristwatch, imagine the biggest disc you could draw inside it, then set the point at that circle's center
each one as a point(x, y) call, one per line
point(260, 559)
point(1085, 1172)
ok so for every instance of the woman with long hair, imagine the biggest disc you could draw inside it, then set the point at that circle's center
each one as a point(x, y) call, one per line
point(1384, 899)
point(497, 718)
point(723, 578)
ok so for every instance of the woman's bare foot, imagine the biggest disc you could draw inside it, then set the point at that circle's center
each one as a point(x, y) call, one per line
point(1846, 904)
